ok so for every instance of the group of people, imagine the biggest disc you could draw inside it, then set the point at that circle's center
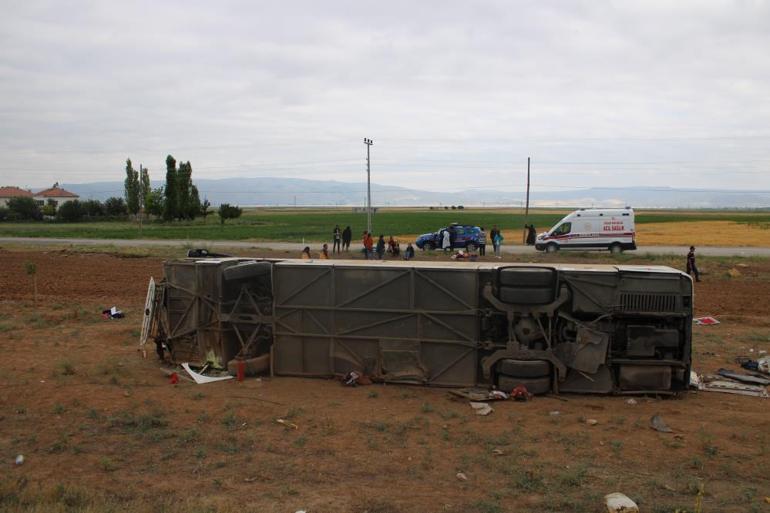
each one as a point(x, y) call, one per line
point(377, 252)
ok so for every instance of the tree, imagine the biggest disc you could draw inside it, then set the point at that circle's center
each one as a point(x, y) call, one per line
point(183, 192)
point(155, 202)
point(226, 211)
point(205, 209)
point(93, 208)
point(115, 207)
point(144, 185)
point(194, 207)
point(24, 208)
point(70, 211)
point(132, 189)
point(170, 204)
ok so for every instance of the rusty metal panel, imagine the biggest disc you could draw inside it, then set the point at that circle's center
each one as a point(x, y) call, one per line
point(405, 324)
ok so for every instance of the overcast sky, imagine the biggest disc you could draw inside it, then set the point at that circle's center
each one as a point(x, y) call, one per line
point(454, 96)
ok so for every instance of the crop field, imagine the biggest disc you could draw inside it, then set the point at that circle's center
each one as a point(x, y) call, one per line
point(296, 225)
point(102, 430)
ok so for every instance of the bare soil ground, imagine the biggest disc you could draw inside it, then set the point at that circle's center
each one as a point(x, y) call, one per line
point(101, 429)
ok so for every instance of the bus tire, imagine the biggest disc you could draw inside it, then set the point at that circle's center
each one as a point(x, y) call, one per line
point(524, 368)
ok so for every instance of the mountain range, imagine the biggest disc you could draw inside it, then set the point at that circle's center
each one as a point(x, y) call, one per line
point(271, 191)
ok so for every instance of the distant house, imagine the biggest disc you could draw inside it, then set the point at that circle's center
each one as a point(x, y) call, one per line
point(55, 196)
point(9, 192)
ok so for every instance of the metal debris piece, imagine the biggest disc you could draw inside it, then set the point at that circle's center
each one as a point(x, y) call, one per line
point(481, 408)
point(657, 423)
point(743, 378)
point(19, 459)
point(631, 401)
point(554, 413)
point(592, 422)
point(461, 476)
point(731, 387)
point(200, 378)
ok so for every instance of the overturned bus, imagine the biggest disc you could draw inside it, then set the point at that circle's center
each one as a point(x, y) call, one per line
point(553, 328)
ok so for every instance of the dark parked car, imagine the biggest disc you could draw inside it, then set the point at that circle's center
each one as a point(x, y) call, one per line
point(463, 236)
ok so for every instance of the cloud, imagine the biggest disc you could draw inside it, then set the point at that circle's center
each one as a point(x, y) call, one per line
point(452, 93)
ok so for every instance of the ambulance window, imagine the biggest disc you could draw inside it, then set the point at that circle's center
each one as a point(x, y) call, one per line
point(563, 229)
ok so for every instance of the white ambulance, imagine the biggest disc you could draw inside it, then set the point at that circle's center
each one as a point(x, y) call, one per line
point(591, 228)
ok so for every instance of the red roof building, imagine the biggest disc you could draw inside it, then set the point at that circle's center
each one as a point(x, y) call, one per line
point(55, 192)
point(14, 192)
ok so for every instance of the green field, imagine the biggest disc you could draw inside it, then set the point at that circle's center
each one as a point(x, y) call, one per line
point(295, 225)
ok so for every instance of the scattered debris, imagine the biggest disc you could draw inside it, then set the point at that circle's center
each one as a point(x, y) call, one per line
point(657, 423)
point(743, 378)
point(705, 321)
point(112, 313)
point(200, 378)
point(714, 384)
point(520, 393)
point(619, 503)
point(170, 374)
point(460, 476)
point(479, 394)
point(173, 378)
point(20, 459)
point(733, 273)
point(249, 479)
point(498, 452)
point(592, 422)
point(354, 378)
point(287, 424)
point(761, 365)
point(631, 401)
point(554, 413)
point(481, 408)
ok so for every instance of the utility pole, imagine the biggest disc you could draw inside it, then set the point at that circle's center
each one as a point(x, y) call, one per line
point(526, 209)
point(368, 143)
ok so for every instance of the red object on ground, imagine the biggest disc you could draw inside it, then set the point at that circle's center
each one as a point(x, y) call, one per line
point(241, 370)
point(520, 393)
point(173, 378)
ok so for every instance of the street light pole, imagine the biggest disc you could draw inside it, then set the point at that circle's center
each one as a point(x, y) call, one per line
point(368, 143)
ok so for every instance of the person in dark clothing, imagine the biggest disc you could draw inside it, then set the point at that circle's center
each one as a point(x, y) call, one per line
point(482, 242)
point(380, 247)
point(409, 252)
point(337, 240)
point(531, 235)
point(692, 268)
point(347, 235)
point(493, 237)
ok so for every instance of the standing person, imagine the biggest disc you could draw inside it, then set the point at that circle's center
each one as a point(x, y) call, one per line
point(692, 268)
point(347, 234)
point(446, 241)
point(337, 239)
point(493, 234)
point(482, 242)
point(380, 247)
point(409, 252)
point(368, 243)
point(498, 242)
point(531, 235)
point(324, 255)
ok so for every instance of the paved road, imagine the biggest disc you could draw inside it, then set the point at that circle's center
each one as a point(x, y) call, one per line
point(295, 246)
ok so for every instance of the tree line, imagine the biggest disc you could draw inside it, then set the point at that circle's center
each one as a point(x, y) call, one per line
point(177, 200)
